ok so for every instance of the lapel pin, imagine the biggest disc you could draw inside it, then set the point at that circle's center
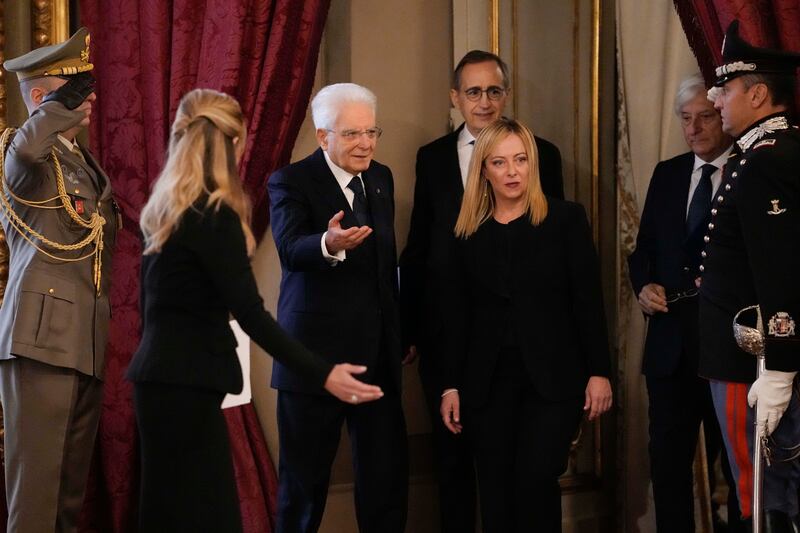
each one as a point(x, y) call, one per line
point(775, 209)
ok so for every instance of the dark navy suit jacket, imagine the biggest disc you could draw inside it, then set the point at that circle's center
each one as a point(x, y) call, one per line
point(666, 255)
point(335, 310)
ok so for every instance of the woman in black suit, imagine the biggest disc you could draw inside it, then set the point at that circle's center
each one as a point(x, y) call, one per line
point(195, 272)
point(527, 348)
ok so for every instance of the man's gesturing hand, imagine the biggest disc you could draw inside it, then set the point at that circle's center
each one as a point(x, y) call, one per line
point(344, 239)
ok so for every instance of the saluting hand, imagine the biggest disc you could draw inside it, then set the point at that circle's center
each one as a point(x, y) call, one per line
point(344, 386)
point(344, 239)
point(598, 396)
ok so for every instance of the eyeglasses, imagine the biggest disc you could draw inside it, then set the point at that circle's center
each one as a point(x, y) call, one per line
point(494, 93)
point(674, 297)
point(352, 135)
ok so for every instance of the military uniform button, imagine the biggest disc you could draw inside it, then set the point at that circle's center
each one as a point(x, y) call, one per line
point(727, 186)
point(686, 269)
point(735, 174)
point(714, 212)
point(720, 198)
point(710, 225)
point(743, 161)
point(77, 191)
point(703, 254)
point(706, 238)
point(702, 268)
point(51, 291)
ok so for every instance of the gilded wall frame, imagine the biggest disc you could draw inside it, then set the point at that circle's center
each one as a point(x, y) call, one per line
point(49, 22)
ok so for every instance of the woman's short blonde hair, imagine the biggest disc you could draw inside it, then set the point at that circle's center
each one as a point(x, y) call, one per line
point(206, 143)
point(479, 202)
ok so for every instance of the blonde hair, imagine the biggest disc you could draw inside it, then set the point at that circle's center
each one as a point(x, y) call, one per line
point(478, 203)
point(206, 143)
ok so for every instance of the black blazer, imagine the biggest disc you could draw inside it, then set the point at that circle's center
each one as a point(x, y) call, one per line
point(666, 255)
point(550, 298)
point(187, 292)
point(437, 201)
point(334, 310)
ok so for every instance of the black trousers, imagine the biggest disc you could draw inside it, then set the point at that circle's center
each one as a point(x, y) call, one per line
point(678, 403)
point(521, 444)
point(453, 460)
point(309, 428)
point(187, 483)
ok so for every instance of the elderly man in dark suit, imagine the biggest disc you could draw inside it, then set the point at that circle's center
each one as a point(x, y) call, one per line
point(333, 222)
point(480, 89)
point(60, 222)
point(663, 269)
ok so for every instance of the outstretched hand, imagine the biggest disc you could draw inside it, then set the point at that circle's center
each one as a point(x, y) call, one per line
point(343, 385)
point(338, 239)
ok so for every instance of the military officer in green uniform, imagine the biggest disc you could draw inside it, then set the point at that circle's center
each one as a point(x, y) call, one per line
point(752, 257)
point(60, 222)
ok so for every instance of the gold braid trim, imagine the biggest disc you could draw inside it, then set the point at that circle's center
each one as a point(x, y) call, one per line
point(94, 225)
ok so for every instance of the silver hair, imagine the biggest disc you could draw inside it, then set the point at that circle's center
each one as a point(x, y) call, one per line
point(688, 89)
point(328, 101)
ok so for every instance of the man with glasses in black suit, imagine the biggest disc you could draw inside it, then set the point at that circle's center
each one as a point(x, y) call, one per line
point(663, 269)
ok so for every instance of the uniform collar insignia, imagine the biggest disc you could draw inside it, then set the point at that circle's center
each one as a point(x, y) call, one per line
point(757, 132)
point(776, 209)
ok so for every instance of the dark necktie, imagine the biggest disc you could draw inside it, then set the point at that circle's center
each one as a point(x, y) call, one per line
point(360, 207)
point(701, 199)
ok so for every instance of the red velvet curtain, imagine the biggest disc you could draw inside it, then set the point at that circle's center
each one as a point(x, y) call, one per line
point(769, 23)
point(147, 54)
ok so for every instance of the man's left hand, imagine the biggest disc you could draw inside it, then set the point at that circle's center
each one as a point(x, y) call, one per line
point(770, 395)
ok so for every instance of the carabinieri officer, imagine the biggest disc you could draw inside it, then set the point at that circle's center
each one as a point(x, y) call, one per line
point(752, 257)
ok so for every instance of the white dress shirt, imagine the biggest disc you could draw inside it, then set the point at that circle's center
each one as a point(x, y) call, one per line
point(466, 145)
point(343, 178)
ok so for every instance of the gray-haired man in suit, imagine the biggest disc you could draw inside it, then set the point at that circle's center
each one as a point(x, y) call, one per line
point(60, 221)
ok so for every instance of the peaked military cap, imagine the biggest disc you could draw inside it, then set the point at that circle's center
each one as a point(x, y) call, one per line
point(740, 57)
point(62, 59)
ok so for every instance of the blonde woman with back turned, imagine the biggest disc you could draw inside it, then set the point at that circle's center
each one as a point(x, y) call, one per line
point(195, 272)
point(527, 349)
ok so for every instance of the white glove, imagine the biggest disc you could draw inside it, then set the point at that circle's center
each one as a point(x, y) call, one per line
point(770, 395)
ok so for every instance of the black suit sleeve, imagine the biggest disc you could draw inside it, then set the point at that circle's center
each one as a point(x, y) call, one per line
point(456, 304)
point(221, 247)
point(297, 240)
point(414, 258)
point(773, 246)
point(643, 257)
point(586, 294)
point(550, 172)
